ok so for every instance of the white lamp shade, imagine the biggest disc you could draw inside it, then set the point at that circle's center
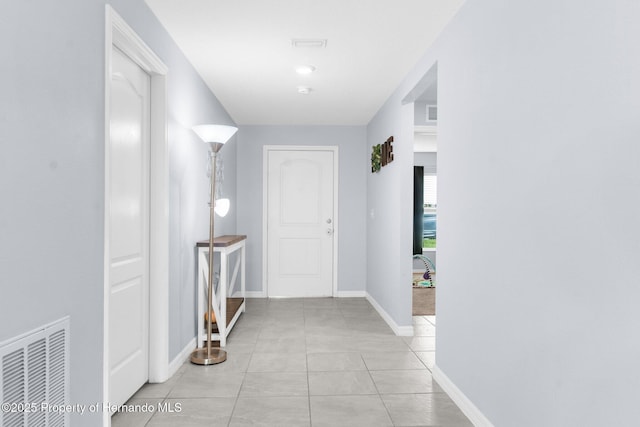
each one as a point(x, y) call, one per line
point(215, 133)
point(222, 207)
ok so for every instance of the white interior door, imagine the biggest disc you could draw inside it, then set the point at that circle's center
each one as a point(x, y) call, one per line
point(300, 223)
point(128, 225)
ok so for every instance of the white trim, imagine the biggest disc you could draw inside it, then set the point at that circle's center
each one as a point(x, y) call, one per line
point(265, 192)
point(119, 34)
point(351, 294)
point(126, 39)
point(159, 234)
point(426, 130)
point(336, 189)
point(402, 331)
point(464, 403)
point(255, 294)
point(182, 357)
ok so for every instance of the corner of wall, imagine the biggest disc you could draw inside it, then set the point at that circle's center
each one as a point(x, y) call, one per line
point(464, 403)
point(402, 331)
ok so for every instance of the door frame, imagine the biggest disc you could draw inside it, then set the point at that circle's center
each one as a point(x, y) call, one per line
point(265, 193)
point(119, 34)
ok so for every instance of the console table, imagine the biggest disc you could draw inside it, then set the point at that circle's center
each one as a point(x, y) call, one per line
point(226, 307)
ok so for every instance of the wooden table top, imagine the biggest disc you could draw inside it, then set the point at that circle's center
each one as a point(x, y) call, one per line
point(222, 241)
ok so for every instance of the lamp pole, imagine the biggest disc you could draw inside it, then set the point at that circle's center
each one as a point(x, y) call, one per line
point(209, 355)
point(216, 136)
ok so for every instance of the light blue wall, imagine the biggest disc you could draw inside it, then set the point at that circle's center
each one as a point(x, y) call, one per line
point(351, 198)
point(52, 176)
point(420, 113)
point(190, 102)
point(538, 129)
point(390, 214)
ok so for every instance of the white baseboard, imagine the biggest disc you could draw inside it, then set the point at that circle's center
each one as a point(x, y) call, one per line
point(182, 357)
point(405, 331)
point(340, 294)
point(402, 331)
point(466, 406)
point(255, 294)
point(351, 294)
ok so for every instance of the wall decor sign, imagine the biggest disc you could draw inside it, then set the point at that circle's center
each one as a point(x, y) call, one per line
point(381, 155)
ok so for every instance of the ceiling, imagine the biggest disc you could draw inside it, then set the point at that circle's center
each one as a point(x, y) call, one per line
point(243, 50)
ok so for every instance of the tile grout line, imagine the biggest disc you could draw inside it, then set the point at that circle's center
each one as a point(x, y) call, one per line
point(314, 315)
point(244, 377)
point(306, 350)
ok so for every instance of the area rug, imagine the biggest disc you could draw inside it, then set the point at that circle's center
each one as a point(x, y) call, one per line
point(424, 298)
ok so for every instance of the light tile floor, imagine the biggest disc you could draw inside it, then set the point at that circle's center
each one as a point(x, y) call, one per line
point(307, 362)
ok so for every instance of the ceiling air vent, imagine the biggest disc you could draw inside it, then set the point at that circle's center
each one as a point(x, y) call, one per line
point(432, 113)
point(309, 42)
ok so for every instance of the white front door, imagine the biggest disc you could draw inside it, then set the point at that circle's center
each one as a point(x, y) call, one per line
point(128, 225)
point(300, 223)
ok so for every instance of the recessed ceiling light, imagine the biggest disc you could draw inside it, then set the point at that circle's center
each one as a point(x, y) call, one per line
point(313, 43)
point(305, 69)
point(305, 90)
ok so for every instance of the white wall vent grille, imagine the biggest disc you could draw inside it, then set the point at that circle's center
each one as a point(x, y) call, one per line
point(35, 377)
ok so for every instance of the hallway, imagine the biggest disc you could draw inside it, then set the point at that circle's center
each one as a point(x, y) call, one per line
point(301, 362)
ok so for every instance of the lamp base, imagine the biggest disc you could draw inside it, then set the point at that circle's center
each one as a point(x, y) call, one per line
point(201, 357)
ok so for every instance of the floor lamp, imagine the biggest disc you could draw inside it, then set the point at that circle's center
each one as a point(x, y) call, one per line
point(216, 136)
